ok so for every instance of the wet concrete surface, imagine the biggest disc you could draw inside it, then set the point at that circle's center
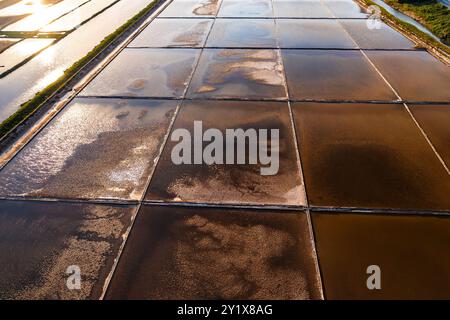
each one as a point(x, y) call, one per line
point(183, 8)
point(415, 75)
point(313, 33)
point(379, 37)
point(257, 33)
point(94, 149)
point(368, 156)
point(174, 33)
point(434, 120)
point(145, 73)
point(245, 74)
point(40, 240)
point(411, 252)
point(200, 253)
point(246, 9)
point(333, 75)
point(231, 183)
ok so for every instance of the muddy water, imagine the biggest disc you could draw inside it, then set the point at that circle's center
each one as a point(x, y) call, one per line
point(174, 33)
point(231, 183)
point(207, 253)
point(239, 74)
point(435, 119)
point(411, 251)
point(368, 155)
point(146, 72)
point(415, 75)
point(23, 83)
point(93, 149)
point(333, 75)
point(41, 239)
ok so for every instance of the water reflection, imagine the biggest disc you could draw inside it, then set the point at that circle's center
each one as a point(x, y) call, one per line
point(26, 7)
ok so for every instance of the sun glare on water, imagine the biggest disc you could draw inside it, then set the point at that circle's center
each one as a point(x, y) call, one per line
point(24, 7)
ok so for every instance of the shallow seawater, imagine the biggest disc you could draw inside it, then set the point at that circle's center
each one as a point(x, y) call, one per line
point(22, 50)
point(94, 149)
point(247, 9)
point(22, 84)
point(232, 183)
point(368, 156)
point(243, 33)
point(313, 33)
point(411, 252)
point(76, 17)
point(200, 253)
point(40, 240)
point(43, 17)
point(174, 33)
point(333, 75)
point(145, 73)
point(239, 73)
point(203, 8)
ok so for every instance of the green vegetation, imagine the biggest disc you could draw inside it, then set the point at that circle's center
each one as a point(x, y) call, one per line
point(28, 108)
point(430, 41)
point(432, 14)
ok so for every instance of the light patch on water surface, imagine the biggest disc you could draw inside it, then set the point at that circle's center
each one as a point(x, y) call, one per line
point(78, 16)
point(60, 235)
point(239, 73)
point(199, 253)
point(101, 149)
point(145, 73)
point(205, 8)
point(44, 16)
point(174, 32)
point(243, 33)
point(21, 51)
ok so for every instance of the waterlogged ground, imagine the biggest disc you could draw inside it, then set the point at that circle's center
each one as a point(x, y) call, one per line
point(362, 177)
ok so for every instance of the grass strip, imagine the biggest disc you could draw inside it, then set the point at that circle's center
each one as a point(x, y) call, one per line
point(432, 14)
point(408, 28)
point(28, 108)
